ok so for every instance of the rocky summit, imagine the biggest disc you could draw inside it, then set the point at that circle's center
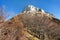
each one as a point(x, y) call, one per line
point(31, 24)
point(32, 8)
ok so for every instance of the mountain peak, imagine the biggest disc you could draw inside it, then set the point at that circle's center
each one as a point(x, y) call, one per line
point(32, 8)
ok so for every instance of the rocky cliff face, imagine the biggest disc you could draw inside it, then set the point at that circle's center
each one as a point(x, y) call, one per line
point(32, 24)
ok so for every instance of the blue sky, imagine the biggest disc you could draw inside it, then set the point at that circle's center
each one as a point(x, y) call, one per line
point(16, 6)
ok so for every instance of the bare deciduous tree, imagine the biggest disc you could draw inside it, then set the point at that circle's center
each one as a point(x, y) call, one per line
point(3, 14)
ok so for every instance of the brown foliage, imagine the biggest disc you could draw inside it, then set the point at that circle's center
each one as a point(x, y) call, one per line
point(12, 30)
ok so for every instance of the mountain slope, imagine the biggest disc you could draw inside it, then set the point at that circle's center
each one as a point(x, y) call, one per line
point(32, 24)
point(41, 24)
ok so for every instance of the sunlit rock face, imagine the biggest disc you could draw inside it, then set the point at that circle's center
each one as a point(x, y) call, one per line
point(32, 8)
